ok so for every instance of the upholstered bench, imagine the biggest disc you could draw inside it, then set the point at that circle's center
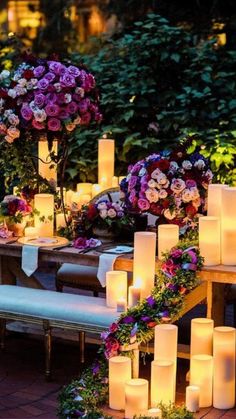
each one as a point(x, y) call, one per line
point(52, 309)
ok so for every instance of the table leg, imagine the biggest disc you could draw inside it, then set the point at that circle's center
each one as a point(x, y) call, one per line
point(209, 299)
point(218, 303)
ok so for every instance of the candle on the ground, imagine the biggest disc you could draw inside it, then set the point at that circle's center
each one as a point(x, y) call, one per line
point(201, 336)
point(201, 376)
point(119, 373)
point(162, 382)
point(60, 220)
point(192, 398)
point(214, 199)
point(136, 397)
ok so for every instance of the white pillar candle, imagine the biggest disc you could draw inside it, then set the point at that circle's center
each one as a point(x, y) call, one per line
point(162, 382)
point(168, 237)
point(46, 168)
point(224, 367)
point(228, 226)
point(201, 376)
point(85, 198)
point(192, 398)
point(60, 220)
point(121, 305)
point(201, 336)
point(116, 287)
point(144, 261)
point(209, 240)
point(136, 397)
point(134, 295)
point(119, 373)
point(84, 188)
point(96, 189)
point(31, 232)
point(154, 413)
point(69, 195)
point(214, 199)
point(114, 182)
point(106, 162)
point(44, 203)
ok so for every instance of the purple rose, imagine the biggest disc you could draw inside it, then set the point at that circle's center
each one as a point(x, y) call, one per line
point(57, 67)
point(63, 114)
point(85, 118)
point(193, 256)
point(151, 300)
point(67, 80)
point(146, 319)
point(52, 109)
point(88, 82)
point(49, 76)
point(132, 182)
point(143, 204)
point(73, 70)
point(165, 313)
point(26, 113)
point(127, 319)
point(176, 253)
point(172, 287)
point(60, 98)
point(72, 107)
point(54, 124)
point(190, 183)
point(39, 100)
point(132, 197)
point(83, 105)
point(38, 71)
point(51, 98)
point(80, 243)
point(43, 84)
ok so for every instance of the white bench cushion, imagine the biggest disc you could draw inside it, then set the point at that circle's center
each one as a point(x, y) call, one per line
point(53, 305)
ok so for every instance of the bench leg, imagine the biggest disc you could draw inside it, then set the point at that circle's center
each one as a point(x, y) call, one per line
point(81, 346)
point(2, 332)
point(48, 349)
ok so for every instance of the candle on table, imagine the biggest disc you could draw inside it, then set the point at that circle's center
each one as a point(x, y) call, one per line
point(60, 220)
point(154, 413)
point(116, 287)
point(96, 189)
point(168, 237)
point(106, 162)
point(214, 199)
point(144, 260)
point(192, 398)
point(31, 232)
point(134, 295)
point(209, 240)
point(228, 226)
point(114, 181)
point(47, 168)
point(136, 397)
point(224, 367)
point(69, 195)
point(121, 305)
point(84, 188)
point(201, 375)
point(44, 203)
point(201, 336)
point(162, 382)
point(119, 373)
point(85, 198)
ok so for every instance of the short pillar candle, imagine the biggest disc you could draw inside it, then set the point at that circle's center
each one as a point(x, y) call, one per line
point(154, 413)
point(84, 188)
point(116, 287)
point(228, 226)
point(134, 296)
point(60, 220)
point(214, 199)
point(209, 240)
point(96, 189)
point(224, 367)
point(162, 382)
point(201, 336)
point(168, 237)
point(31, 232)
point(106, 162)
point(192, 398)
point(44, 203)
point(119, 373)
point(144, 261)
point(136, 397)
point(201, 375)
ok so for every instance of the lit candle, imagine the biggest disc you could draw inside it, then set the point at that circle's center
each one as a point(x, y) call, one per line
point(136, 397)
point(31, 232)
point(60, 220)
point(44, 203)
point(69, 195)
point(116, 287)
point(121, 305)
point(168, 237)
point(58, 189)
point(15, 190)
point(119, 373)
point(106, 157)
point(209, 240)
point(201, 376)
point(224, 367)
point(134, 295)
point(144, 260)
point(84, 188)
point(162, 382)
point(228, 226)
point(192, 398)
point(85, 198)
point(47, 168)
point(114, 181)
point(201, 336)
point(214, 199)
point(96, 189)
point(154, 413)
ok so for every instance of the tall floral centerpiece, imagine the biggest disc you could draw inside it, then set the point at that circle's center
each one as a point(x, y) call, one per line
point(171, 185)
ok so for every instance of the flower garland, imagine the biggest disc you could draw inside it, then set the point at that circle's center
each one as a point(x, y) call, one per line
point(176, 277)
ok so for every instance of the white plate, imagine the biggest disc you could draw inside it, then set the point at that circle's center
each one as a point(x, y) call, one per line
point(44, 241)
point(119, 250)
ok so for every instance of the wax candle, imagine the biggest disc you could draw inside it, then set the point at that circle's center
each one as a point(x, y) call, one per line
point(60, 220)
point(214, 199)
point(168, 237)
point(192, 398)
point(44, 203)
point(201, 336)
point(136, 397)
point(106, 158)
point(228, 226)
point(209, 240)
point(119, 373)
point(163, 376)
point(144, 260)
point(58, 189)
point(96, 189)
point(116, 287)
point(201, 375)
point(121, 305)
point(46, 168)
point(69, 195)
point(114, 182)
point(154, 413)
point(84, 188)
point(224, 367)
point(134, 295)
point(31, 232)
point(85, 198)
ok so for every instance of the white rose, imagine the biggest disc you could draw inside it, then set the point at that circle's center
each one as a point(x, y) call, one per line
point(21, 91)
point(162, 194)
point(187, 195)
point(152, 183)
point(22, 82)
point(68, 98)
point(155, 173)
point(13, 119)
point(169, 215)
point(111, 213)
point(33, 106)
point(4, 74)
point(194, 192)
point(142, 171)
point(177, 185)
point(79, 91)
point(57, 87)
point(165, 185)
point(40, 115)
point(7, 113)
point(209, 175)
point(187, 165)
point(103, 213)
point(102, 206)
point(12, 93)
point(161, 178)
point(152, 195)
point(199, 164)
point(173, 166)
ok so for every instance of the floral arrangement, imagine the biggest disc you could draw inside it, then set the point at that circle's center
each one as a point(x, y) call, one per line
point(14, 209)
point(83, 244)
point(177, 275)
point(46, 95)
point(170, 185)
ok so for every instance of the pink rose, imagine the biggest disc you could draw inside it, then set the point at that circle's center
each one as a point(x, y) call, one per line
point(52, 109)
point(54, 124)
point(26, 112)
point(80, 243)
point(143, 204)
point(37, 124)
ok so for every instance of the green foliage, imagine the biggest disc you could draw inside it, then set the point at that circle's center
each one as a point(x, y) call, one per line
point(171, 412)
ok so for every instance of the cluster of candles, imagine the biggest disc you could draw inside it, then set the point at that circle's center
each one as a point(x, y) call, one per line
point(212, 372)
point(217, 230)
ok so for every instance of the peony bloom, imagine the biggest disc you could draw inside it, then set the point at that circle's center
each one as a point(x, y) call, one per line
point(152, 195)
point(143, 204)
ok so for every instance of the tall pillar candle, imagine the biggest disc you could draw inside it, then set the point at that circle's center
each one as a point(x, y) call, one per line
point(119, 373)
point(228, 226)
point(144, 261)
point(162, 382)
point(136, 397)
point(224, 367)
point(209, 240)
point(60, 220)
point(47, 168)
point(106, 162)
point(69, 195)
point(201, 336)
point(44, 221)
point(168, 237)
point(192, 398)
point(116, 287)
point(84, 188)
point(96, 189)
point(201, 376)
point(214, 199)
